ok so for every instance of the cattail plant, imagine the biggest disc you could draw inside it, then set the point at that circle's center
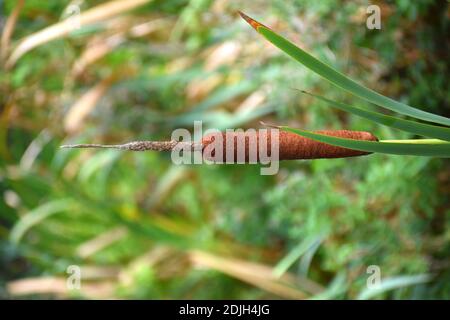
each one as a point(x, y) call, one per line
point(303, 144)
point(438, 146)
point(290, 146)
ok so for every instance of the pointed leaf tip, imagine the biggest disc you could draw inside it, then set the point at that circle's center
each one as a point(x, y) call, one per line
point(269, 125)
point(255, 24)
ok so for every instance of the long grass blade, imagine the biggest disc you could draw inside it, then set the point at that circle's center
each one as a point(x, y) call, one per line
point(394, 283)
point(8, 29)
point(435, 148)
point(422, 129)
point(36, 216)
point(295, 254)
point(340, 79)
point(259, 275)
point(96, 14)
point(80, 110)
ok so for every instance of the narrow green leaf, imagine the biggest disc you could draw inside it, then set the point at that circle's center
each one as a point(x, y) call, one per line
point(394, 283)
point(340, 79)
point(339, 285)
point(295, 254)
point(436, 148)
point(423, 129)
point(36, 216)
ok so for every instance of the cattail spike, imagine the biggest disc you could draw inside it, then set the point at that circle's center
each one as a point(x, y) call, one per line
point(142, 146)
point(90, 145)
point(290, 145)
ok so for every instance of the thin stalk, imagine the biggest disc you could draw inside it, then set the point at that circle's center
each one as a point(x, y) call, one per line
point(143, 146)
point(424, 141)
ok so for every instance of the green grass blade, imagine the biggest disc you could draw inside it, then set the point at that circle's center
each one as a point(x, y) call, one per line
point(394, 283)
point(436, 148)
point(340, 79)
point(415, 141)
point(423, 129)
point(295, 254)
point(37, 215)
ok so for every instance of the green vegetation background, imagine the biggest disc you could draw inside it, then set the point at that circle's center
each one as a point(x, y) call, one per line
point(140, 227)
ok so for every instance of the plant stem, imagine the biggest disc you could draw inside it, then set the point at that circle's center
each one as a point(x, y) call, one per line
point(143, 146)
point(424, 141)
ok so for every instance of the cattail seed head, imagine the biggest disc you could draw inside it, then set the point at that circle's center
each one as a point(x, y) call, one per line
point(252, 146)
point(290, 145)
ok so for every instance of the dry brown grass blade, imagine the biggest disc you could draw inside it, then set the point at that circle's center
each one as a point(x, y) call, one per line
point(99, 49)
point(256, 274)
point(57, 286)
point(149, 260)
point(95, 52)
point(74, 119)
point(9, 29)
point(221, 55)
point(143, 29)
point(166, 184)
point(5, 122)
point(199, 88)
point(101, 241)
point(99, 272)
point(63, 28)
point(252, 102)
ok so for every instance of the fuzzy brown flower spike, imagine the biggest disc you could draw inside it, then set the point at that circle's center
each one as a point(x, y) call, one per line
point(290, 145)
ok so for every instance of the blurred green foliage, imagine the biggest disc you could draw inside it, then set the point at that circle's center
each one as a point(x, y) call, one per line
point(140, 227)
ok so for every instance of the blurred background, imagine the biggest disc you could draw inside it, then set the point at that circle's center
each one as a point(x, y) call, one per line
point(137, 226)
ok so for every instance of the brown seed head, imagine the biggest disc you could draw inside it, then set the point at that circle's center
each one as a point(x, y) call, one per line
point(290, 145)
